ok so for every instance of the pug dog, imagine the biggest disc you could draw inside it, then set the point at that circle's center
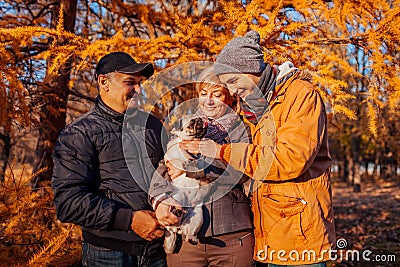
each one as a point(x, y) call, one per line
point(186, 191)
point(192, 129)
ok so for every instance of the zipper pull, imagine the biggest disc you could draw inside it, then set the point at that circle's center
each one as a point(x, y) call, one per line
point(302, 201)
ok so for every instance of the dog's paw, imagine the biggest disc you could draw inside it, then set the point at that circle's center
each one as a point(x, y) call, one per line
point(175, 229)
point(192, 240)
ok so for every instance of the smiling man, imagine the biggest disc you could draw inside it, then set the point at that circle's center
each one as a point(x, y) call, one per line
point(93, 185)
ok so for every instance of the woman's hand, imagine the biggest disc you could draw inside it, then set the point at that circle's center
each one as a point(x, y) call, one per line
point(164, 212)
point(173, 171)
point(206, 148)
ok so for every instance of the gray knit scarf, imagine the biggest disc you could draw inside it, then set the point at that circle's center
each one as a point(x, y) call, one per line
point(255, 104)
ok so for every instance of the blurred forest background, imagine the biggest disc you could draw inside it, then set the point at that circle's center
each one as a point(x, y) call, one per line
point(49, 50)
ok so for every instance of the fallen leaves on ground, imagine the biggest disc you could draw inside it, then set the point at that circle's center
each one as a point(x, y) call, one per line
point(368, 220)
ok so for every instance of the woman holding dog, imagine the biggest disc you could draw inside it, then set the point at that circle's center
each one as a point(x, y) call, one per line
point(226, 236)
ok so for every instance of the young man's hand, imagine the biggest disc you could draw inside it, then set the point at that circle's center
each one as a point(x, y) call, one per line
point(206, 148)
point(145, 224)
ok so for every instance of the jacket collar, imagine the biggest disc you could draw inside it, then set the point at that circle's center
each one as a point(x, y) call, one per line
point(108, 112)
point(280, 89)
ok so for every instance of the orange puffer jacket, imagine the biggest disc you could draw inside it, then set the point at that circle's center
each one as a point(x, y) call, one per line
point(289, 161)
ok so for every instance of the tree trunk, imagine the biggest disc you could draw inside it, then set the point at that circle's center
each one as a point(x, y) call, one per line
point(391, 166)
point(388, 171)
point(375, 173)
point(357, 177)
point(4, 153)
point(346, 169)
point(340, 169)
point(53, 114)
point(382, 168)
point(355, 147)
point(366, 166)
point(350, 168)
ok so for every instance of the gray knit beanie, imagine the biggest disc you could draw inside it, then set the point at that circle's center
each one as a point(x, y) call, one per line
point(241, 55)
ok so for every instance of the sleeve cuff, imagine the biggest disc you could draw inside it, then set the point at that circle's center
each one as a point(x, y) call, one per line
point(225, 153)
point(123, 219)
point(158, 199)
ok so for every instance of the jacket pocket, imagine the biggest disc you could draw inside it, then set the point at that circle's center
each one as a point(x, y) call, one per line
point(284, 206)
point(284, 219)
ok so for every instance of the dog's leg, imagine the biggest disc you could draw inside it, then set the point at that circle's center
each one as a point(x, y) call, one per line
point(170, 240)
point(192, 225)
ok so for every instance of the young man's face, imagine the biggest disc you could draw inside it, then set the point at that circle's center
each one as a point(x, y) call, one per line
point(242, 84)
point(119, 90)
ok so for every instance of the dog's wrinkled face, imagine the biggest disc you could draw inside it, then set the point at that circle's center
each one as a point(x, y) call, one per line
point(193, 129)
point(196, 128)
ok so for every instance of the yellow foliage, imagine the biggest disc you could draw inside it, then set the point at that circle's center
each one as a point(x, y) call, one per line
point(350, 46)
point(31, 235)
point(344, 110)
point(46, 255)
point(315, 35)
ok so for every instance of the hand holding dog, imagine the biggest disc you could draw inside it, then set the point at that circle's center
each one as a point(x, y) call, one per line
point(145, 224)
point(206, 148)
point(172, 170)
point(163, 212)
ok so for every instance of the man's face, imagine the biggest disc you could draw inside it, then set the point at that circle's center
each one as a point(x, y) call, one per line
point(119, 90)
point(242, 84)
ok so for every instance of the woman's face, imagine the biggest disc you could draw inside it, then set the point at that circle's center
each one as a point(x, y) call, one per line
point(214, 100)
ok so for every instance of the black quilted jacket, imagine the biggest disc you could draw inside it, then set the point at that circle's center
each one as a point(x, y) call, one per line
point(98, 187)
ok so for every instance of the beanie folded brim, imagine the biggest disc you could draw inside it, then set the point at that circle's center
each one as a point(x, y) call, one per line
point(220, 68)
point(224, 69)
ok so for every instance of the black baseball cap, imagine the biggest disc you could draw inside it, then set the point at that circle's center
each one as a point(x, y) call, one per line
point(124, 63)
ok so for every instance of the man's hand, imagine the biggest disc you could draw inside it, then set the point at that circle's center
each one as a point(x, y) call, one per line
point(206, 148)
point(145, 224)
point(164, 213)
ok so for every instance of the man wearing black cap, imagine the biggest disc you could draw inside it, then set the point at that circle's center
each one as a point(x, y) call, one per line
point(96, 187)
